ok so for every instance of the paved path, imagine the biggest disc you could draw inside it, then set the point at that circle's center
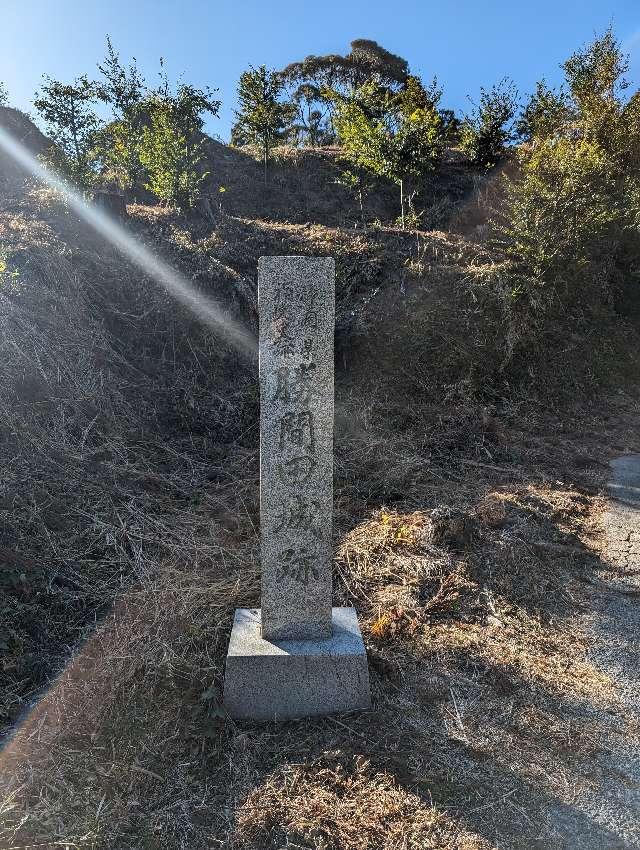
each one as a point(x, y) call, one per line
point(606, 816)
point(623, 521)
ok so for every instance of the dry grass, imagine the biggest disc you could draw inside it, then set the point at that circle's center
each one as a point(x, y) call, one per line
point(107, 435)
point(466, 536)
point(483, 711)
point(472, 604)
point(304, 186)
point(339, 802)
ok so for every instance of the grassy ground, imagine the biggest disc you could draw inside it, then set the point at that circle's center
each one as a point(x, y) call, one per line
point(466, 534)
point(485, 705)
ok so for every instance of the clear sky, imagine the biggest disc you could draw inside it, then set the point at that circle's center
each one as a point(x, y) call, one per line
point(466, 44)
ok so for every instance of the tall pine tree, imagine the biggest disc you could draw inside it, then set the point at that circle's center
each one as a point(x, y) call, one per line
point(67, 109)
point(262, 119)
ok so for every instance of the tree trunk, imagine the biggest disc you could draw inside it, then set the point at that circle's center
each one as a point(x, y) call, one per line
point(266, 161)
point(74, 137)
point(402, 203)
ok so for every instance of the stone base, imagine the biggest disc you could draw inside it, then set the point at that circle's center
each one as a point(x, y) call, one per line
point(295, 678)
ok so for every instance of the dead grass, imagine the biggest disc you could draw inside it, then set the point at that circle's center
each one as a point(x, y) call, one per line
point(483, 712)
point(95, 490)
point(304, 186)
point(128, 534)
point(339, 802)
point(498, 606)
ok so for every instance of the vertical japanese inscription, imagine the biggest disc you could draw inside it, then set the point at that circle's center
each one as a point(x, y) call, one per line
point(296, 298)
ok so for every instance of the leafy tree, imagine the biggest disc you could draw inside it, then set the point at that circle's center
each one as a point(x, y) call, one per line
point(367, 61)
point(391, 135)
point(171, 144)
point(4, 94)
point(360, 182)
point(596, 81)
point(317, 78)
point(312, 124)
point(595, 76)
point(591, 101)
point(163, 151)
point(569, 227)
point(489, 127)
point(262, 118)
point(565, 211)
point(122, 88)
point(451, 126)
point(545, 112)
point(67, 109)
point(627, 139)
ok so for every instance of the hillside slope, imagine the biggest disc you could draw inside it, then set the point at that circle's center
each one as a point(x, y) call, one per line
point(304, 186)
point(467, 533)
point(23, 130)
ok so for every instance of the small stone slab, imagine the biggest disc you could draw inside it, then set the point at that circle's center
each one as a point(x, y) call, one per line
point(287, 679)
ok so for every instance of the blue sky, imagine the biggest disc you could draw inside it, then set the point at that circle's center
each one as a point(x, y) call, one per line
point(466, 44)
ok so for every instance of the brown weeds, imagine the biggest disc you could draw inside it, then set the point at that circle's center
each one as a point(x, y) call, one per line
point(344, 803)
point(128, 534)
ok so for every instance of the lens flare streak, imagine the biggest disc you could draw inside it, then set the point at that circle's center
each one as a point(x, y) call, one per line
point(205, 309)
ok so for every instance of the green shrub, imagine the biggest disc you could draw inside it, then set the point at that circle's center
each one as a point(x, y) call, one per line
point(567, 215)
point(569, 227)
point(488, 129)
point(546, 111)
point(171, 145)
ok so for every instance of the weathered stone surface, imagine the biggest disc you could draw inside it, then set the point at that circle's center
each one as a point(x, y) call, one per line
point(296, 656)
point(296, 297)
point(295, 678)
point(624, 485)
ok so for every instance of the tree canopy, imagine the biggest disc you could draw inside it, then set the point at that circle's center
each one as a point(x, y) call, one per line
point(68, 112)
point(171, 144)
point(366, 61)
point(394, 135)
point(262, 118)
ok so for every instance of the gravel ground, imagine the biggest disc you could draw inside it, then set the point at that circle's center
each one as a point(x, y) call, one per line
point(606, 812)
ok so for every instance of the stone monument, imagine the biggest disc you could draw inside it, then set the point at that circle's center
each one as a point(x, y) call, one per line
point(296, 656)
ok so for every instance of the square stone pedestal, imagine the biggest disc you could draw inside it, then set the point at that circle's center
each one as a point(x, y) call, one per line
point(295, 678)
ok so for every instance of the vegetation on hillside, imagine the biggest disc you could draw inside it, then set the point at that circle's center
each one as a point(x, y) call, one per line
point(261, 119)
point(171, 146)
point(564, 233)
point(394, 135)
point(489, 128)
point(122, 89)
point(470, 449)
point(569, 226)
point(70, 121)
